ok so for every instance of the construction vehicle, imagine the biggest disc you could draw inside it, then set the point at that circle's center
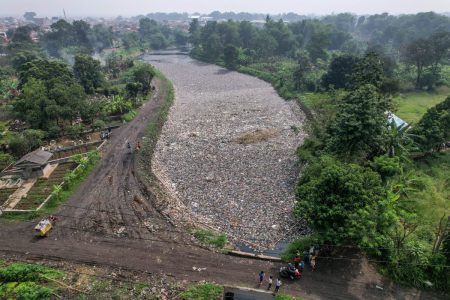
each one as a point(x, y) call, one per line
point(44, 226)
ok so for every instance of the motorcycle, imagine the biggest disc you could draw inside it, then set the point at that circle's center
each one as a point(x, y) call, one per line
point(290, 272)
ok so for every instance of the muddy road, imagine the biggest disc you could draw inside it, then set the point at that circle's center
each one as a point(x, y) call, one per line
point(112, 220)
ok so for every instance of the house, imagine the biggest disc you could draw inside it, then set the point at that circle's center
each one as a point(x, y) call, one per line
point(31, 165)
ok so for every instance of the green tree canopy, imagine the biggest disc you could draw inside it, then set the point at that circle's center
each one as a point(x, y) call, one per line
point(143, 74)
point(340, 71)
point(334, 197)
point(434, 127)
point(88, 72)
point(230, 56)
point(359, 128)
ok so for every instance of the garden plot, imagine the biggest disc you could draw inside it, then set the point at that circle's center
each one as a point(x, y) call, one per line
point(43, 187)
point(5, 193)
point(228, 151)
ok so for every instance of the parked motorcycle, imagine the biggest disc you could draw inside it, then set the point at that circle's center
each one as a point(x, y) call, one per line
point(290, 272)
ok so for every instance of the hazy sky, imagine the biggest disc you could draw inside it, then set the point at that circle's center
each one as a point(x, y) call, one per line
point(135, 7)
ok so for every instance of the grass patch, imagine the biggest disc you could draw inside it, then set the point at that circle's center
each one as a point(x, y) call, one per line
point(153, 131)
point(432, 193)
point(206, 291)
point(412, 106)
point(129, 116)
point(210, 237)
point(286, 297)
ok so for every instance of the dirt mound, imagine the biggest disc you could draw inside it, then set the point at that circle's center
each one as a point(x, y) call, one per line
point(256, 136)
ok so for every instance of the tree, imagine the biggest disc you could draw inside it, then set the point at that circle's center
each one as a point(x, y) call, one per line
point(231, 54)
point(29, 15)
point(33, 103)
point(50, 94)
point(22, 35)
point(368, 70)
point(81, 33)
point(194, 33)
point(181, 38)
point(419, 54)
point(101, 37)
point(158, 41)
point(434, 126)
point(359, 128)
point(229, 33)
point(318, 44)
point(265, 44)
point(24, 142)
point(47, 71)
point(303, 68)
point(340, 72)
point(133, 89)
point(333, 197)
point(147, 28)
point(211, 42)
point(400, 140)
point(143, 74)
point(22, 57)
point(247, 34)
point(88, 72)
point(130, 40)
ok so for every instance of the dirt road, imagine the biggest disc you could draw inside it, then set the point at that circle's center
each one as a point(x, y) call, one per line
point(112, 221)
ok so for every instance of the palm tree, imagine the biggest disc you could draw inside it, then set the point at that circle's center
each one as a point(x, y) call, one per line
point(400, 141)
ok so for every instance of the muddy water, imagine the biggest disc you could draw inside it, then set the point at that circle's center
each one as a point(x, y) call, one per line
point(228, 151)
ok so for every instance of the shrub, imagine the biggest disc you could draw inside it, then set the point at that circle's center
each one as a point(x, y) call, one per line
point(210, 237)
point(31, 291)
point(297, 247)
point(98, 125)
point(20, 272)
point(75, 131)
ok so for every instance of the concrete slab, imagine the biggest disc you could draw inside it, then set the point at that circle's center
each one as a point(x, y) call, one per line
point(243, 293)
point(22, 191)
point(48, 170)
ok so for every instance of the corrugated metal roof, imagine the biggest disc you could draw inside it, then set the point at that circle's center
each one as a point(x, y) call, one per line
point(38, 156)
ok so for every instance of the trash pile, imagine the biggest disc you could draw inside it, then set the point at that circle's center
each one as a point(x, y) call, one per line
point(228, 151)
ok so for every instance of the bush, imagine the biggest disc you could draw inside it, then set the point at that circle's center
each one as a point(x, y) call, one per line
point(210, 237)
point(31, 291)
point(5, 160)
point(98, 125)
point(297, 247)
point(76, 131)
point(24, 142)
point(20, 272)
point(129, 116)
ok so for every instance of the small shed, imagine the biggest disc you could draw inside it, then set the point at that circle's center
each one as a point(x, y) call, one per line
point(397, 121)
point(32, 164)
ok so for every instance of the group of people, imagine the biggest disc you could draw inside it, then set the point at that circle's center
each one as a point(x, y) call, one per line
point(262, 275)
point(309, 257)
point(136, 148)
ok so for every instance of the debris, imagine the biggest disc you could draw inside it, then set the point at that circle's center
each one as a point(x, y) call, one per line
point(227, 153)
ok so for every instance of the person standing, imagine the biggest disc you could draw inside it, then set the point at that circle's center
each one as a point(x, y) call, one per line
point(313, 263)
point(261, 277)
point(277, 286)
point(270, 282)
